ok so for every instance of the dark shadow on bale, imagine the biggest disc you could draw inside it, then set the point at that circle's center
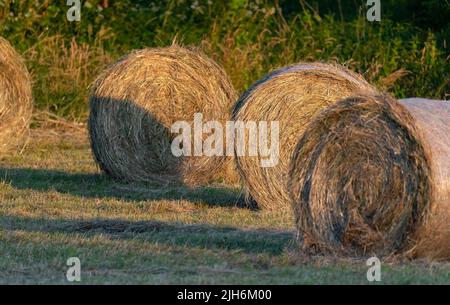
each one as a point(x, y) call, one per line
point(371, 175)
point(172, 234)
point(132, 151)
point(102, 187)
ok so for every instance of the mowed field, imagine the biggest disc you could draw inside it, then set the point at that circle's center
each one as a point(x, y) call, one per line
point(55, 204)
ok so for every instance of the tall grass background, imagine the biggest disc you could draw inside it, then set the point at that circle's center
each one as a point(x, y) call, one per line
point(406, 53)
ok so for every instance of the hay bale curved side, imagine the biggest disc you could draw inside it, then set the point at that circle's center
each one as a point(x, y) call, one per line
point(16, 102)
point(291, 96)
point(136, 100)
point(371, 175)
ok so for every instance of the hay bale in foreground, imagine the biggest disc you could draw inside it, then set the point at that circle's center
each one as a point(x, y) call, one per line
point(134, 103)
point(372, 175)
point(291, 96)
point(16, 102)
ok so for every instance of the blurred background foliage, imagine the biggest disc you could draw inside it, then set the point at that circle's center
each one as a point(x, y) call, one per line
point(406, 53)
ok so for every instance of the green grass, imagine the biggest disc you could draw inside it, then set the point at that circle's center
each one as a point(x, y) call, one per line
point(54, 204)
point(407, 53)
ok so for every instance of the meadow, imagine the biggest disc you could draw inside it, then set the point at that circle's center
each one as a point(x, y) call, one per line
point(55, 203)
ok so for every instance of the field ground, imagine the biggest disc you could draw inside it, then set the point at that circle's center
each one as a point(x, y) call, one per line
point(55, 204)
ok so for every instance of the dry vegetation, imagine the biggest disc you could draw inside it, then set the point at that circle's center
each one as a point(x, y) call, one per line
point(16, 101)
point(62, 72)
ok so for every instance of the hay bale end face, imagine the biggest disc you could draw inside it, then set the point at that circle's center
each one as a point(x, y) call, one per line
point(134, 103)
point(291, 96)
point(371, 175)
point(16, 102)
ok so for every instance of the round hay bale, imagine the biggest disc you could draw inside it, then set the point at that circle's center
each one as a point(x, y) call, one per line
point(134, 103)
point(291, 96)
point(16, 102)
point(372, 175)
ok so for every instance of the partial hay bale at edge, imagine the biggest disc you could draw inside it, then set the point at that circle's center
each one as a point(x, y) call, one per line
point(372, 175)
point(291, 96)
point(16, 102)
point(134, 103)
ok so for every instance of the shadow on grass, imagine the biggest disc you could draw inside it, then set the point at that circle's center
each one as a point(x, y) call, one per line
point(172, 234)
point(102, 187)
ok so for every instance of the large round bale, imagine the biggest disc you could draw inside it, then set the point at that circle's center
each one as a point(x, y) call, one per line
point(16, 103)
point(290, 96)
point(134, 104)
point(371, 175)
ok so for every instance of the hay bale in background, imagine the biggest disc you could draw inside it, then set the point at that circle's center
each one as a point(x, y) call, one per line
point(134, 103)
point(372, 175)
point(16, 102)
point(290, 95)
